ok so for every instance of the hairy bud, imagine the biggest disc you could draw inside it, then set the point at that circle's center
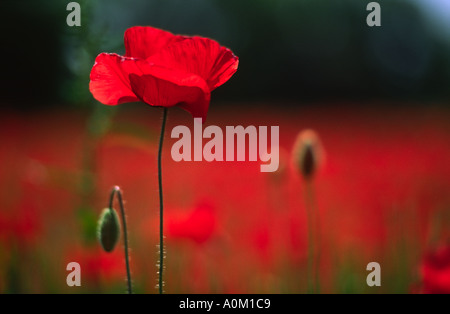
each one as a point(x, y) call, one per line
point(108, 229)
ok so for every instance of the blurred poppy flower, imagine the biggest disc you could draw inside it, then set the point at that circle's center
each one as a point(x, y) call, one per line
point(199, 225)
point(162, 69)
point(436, 271)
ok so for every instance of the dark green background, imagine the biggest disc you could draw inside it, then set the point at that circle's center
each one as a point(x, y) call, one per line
point(292, 50)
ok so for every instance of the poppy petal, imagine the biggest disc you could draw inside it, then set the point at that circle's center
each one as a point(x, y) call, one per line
point(143, 41)
point(160, 86)
point(201, 56)
point(110, 82)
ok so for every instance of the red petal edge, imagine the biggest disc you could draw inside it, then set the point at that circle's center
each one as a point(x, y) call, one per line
point(144, 41)
point(200, 56)
point(110, 83)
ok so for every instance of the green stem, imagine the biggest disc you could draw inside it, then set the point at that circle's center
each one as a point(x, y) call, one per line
point(313, 253)
point(116, 190)
point(161, 207)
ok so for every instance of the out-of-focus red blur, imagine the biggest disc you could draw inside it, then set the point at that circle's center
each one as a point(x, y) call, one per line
point(382, 194)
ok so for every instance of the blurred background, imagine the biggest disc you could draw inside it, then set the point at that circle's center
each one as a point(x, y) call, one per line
point(377, 97)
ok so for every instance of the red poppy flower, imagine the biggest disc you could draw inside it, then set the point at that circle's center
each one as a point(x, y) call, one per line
point(199, 225)
point(436, 271)
point(162, 69)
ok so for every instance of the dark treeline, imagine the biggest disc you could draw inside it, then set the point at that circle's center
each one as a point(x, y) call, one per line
point(289, 50)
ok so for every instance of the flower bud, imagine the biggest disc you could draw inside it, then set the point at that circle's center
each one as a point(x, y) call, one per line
point(108, 229)
point(307, 154)
point(307, 161)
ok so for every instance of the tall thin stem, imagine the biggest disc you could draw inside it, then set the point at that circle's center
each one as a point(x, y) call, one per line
point(161, 206)
point(116, 190)
point(313, 251)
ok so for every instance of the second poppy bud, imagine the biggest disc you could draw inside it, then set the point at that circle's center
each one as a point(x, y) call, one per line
point(307, 154)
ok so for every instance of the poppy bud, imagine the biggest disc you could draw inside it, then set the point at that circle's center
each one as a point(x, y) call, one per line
point(108, 229)
point(307, 154)
point(307, 161)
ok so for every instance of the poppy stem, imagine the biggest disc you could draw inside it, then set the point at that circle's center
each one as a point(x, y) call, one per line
point(313, 253)
point(161, 206)
point(116, 190)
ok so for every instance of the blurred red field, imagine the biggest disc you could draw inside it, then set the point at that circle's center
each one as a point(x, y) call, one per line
point(383, 194)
